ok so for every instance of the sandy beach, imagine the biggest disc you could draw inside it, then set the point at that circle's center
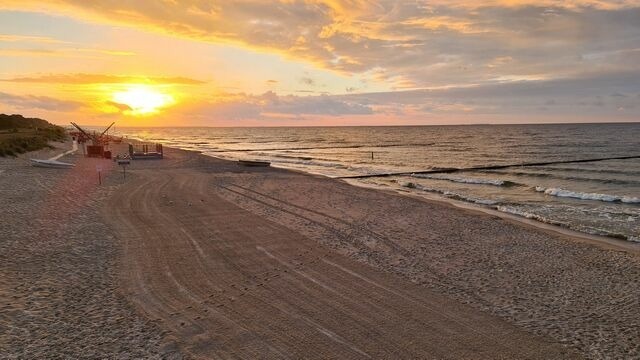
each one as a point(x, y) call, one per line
point(196, 257)
point(60, 296)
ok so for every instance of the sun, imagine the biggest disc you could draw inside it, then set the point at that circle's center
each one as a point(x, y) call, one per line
point(142, 99)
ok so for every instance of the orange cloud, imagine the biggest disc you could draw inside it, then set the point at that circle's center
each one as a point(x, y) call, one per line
point(63, 52)
point(570, 4)
point(80, 79)
point(355, 36)
point(31, 39)
point(402, 44)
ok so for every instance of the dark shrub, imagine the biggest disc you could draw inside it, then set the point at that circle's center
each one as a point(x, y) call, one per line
point(35, 135)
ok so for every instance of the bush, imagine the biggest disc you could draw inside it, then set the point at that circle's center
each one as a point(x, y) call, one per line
point(37, 136)
point(19, 145)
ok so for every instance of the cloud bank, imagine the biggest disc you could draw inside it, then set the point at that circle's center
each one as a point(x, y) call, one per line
point(441, 57)
point(30, 102)
point(413, 43)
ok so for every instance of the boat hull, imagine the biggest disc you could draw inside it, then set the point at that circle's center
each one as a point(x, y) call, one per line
point(51, 164)
point(254, 163)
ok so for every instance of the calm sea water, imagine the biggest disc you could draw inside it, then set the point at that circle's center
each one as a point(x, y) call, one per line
point(595, 197)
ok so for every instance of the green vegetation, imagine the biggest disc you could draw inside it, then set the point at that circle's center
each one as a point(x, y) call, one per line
point(19, 134)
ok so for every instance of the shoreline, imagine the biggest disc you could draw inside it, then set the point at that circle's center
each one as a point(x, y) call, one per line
point(603, 240)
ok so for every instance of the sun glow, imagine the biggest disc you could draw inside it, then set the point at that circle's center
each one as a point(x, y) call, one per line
point(142, 99)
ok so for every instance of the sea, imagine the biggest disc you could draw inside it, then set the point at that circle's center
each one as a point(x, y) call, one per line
point(595, 197)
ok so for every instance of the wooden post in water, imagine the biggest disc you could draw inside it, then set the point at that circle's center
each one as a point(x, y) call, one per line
point(372, 155)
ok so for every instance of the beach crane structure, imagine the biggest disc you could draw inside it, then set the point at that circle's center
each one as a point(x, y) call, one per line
point(98, 141)
point(101, 139)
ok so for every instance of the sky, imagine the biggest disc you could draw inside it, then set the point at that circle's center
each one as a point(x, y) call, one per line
point(320, 62)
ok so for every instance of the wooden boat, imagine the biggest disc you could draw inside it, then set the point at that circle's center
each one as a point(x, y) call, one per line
point(51, 164)
point(253, 163)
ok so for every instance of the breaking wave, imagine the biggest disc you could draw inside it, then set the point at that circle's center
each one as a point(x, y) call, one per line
point(580, 228)
point(587, 196)
point(311, 162)
point(587, 170)
point(465, 180)
point(529, 215)
point(449, 194)
point(564, 177)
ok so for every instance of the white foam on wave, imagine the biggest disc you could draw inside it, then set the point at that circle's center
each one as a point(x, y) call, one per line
point(580, 228)
point(305, 162)
point(603, 232)
point(449, 194)
point(459, 179)
point(529, 215)
point(587, 196)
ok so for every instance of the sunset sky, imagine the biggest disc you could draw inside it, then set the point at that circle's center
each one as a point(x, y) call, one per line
point(315, 62)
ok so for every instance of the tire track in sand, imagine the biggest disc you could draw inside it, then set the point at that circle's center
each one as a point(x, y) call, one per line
point(226, 283)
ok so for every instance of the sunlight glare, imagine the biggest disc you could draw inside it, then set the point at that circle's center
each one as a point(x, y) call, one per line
point(142, 99)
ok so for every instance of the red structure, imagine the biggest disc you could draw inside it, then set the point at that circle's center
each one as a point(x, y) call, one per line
point(99, 142)
point(96, 151)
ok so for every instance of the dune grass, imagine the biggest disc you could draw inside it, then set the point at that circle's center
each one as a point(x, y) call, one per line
point(19, 135)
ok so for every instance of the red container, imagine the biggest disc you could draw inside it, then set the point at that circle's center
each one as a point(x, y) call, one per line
point(95, 151)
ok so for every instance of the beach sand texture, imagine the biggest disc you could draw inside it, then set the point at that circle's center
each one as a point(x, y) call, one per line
point(581, 294)
point(60, 296)
point(217, 260)
point(232, 284)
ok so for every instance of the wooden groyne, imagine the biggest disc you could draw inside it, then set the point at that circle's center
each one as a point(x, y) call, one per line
point(320, 147)
point(487, 167)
